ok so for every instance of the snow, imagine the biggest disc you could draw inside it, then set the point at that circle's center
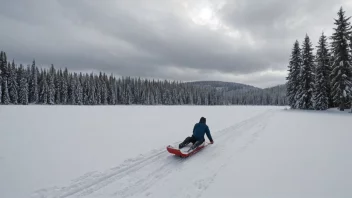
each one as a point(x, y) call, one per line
point(120, 151)
point(341, 63)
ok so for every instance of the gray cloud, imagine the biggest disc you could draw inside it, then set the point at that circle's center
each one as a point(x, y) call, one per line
point(159, 39)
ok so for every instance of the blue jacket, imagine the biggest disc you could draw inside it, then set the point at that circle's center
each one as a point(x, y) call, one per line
point(200, 129)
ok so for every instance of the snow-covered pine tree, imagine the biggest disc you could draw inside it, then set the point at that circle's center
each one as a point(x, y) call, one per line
point(152, 98)
point(129, 95)
point(85, 87)
point(72, 90)
point(112, 90)
point(351, 67)
point(1, 74)
point(23, 86)
point(28, 78)
point(3, 65)
point(104, 94)
point(293, 75)
point(13, 87)
point(91, 94)
point(79, 90)
point(64, 87)
point(51, 84)
point(5, 94)
point(0, 89)
point(98, 88)
point(44, 90)
point(322, 75)
point(119, 93)
point(58, 83)
point(33, 85)
point(306, 86)
point(199, 99)
point(341, 74)
point(190, 96)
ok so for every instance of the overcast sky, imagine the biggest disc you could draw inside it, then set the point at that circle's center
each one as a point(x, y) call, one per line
point(245, 41)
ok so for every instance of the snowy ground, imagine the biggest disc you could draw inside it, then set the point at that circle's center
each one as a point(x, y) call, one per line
point(119, 151)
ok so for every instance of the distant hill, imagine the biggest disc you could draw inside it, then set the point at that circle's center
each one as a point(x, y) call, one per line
point(226, 86)
point(237, 93)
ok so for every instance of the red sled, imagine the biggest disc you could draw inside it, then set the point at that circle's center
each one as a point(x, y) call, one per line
point(183, 152)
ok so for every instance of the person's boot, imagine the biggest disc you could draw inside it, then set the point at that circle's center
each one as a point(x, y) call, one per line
point(195, 145)
point(180, 146)
point(184, 143)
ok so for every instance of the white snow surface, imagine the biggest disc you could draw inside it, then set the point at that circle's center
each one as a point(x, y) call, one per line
point(120, 151)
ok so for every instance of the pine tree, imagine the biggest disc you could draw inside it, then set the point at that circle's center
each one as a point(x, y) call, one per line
point(350, 67)
point(64, 87)
point(73, 90)
point(341, 74)
point(33, 85)
point(112, 90)
point(51, 85)
point(5, 94)
point(0, 88)
point(79, 90)
point(44, 91)
point(58, 89)
point(129, 95)
point(294, 75)
point(13, 87)
point(322, 76)
point(86, 90)
point(91, 93)
point(23, 89)
point(306, 87)
point(3, 65)
point(104, 94)
point(98, 89)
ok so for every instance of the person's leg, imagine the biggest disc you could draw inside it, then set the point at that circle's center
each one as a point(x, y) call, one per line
point(185, 142)
point(197, 143)
point(193, 140)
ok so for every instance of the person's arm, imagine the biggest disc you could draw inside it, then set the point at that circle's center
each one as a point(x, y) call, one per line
point(207, 131)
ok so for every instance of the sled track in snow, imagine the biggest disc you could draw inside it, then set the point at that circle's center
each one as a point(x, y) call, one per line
point(137, 175)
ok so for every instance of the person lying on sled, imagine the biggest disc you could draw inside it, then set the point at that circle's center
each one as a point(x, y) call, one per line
point(198, 135)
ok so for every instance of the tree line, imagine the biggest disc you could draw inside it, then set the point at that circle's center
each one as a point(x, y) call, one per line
point(322, 80)
point(22, 85)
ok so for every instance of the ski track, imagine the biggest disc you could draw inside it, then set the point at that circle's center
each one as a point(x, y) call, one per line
point(135, 176)
point(213, 167)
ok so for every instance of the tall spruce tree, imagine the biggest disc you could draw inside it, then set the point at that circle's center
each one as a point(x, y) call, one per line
point(341, 68)
point(3, 65)
point(322, 76)
point(293, 79)
point(351, 68)
point(44, 91)
point(79, 90)
point(73, 90)
point(64, 87)
point(33, 85)
point(58, 83)
point(23, 86)
point(5, 94)
point(13, 86)
point(0, 89)
point(306, 86)
point(51, 85)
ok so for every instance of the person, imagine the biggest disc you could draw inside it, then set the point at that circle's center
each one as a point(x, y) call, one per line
point(197, 137)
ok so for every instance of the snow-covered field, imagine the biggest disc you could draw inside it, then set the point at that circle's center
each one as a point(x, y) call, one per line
point(119, 151)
